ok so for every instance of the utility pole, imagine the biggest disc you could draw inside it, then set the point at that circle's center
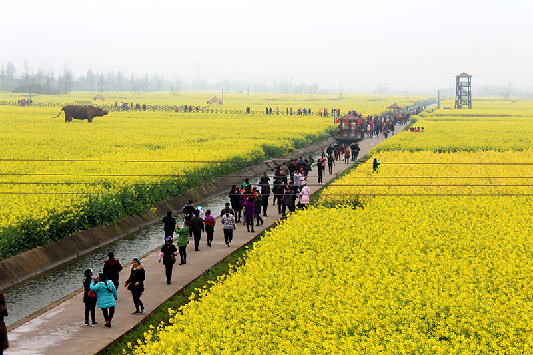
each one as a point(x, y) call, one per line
point(222, 101)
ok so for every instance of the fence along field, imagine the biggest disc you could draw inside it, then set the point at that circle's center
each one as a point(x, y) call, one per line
point(57, 178)
point(414, 274)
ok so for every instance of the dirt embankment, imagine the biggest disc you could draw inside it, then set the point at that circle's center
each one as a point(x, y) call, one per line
point(35, 261)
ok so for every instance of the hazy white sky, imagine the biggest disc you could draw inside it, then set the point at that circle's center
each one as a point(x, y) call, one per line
point(411, 44)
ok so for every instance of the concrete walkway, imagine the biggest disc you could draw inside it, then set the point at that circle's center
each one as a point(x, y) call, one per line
point(61, 330)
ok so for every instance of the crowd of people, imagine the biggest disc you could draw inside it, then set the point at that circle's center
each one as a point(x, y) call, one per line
point(416, 129)
point(124, 106)
point(101, 291)
point(25, 102)
point(301, 111)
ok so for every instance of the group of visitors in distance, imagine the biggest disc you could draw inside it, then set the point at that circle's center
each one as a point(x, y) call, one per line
point(373, 126)
point(300, 111)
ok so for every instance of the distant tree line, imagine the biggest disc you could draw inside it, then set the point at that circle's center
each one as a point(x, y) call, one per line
point(50, 81)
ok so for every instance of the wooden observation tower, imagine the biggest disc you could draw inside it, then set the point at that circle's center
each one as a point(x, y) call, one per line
point(463, 91)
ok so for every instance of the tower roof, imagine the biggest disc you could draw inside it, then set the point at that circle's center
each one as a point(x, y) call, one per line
point(463, 75)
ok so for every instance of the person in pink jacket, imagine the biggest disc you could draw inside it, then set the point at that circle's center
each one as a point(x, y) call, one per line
point(304, 196)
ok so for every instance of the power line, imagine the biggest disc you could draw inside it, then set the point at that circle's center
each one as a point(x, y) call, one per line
point(236, 162)
point(436, 177)
point(308, 184)
point(247, 176)
point(132, 161)
point(323, 194)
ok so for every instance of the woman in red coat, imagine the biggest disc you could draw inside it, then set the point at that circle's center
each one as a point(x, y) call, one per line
point(346, 155)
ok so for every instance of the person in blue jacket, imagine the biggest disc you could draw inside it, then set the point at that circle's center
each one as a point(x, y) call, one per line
point(106, 294)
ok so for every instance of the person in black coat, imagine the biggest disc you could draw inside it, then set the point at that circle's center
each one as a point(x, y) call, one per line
point(170, 224)
point(197, 226)
point(331, 162)
point(276, 184)
point(168, 254)
point(236, 205)
point(227, 209)
point(188, 210)
point(355, 151)
point(90, 302)
point(135, 283)
point(265, 180)
point(265, 192)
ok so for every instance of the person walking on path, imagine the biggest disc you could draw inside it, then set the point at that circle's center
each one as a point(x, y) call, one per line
point(355, 151)
point(106, 295)
point(249, 208)
point(331, 162)
point(183, 241)
point(188, 213)
point(4, 344)
point(209, 222)
point(258, 203)
point(302, 179)
point(338, 150)
point(346, 155)
point(296, 179)
point(329, 150)
point(265, 192)
point(235, 197)
point(288, 200)
point(89, 298)
point(275, 188)
point(112, 268)
point(227, 209)
point(168, 254)
point(280, 195)
point(197, 224)
point(135, 283)
point(304, 196)
point(229, 226)
point(285, 169)
point(321, 166)
point(265, 180)
point(170, 224)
